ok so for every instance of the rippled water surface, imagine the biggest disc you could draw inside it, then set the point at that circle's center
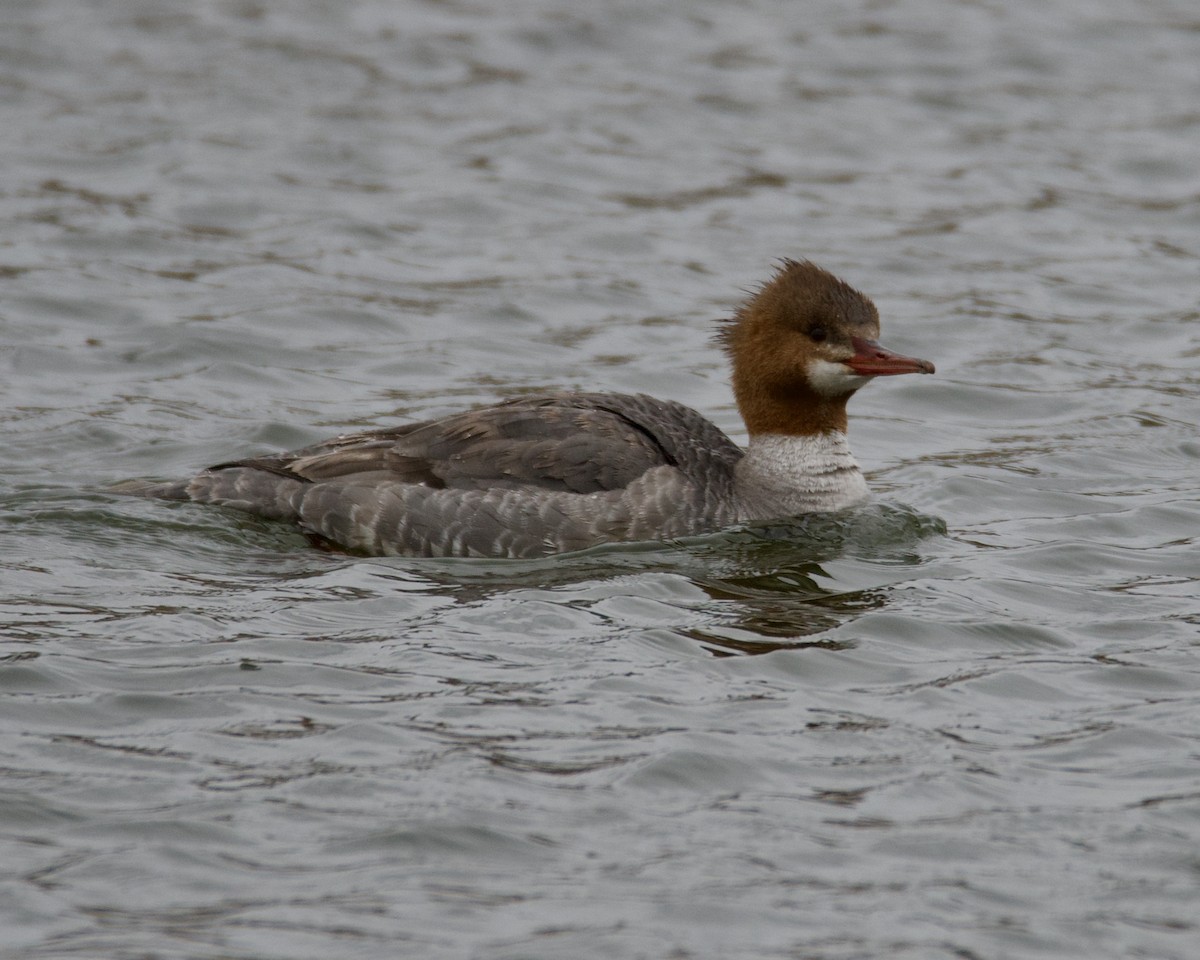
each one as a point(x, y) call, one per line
point(962, 722)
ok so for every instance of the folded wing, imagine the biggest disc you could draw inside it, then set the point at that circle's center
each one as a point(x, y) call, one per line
point(582, 443)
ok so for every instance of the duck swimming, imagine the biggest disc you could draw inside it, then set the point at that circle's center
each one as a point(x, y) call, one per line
point(545, 474)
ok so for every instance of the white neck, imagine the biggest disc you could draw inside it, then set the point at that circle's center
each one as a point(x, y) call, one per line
point(784, 476)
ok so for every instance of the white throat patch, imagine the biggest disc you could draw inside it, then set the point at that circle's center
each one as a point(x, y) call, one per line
point(833, 379)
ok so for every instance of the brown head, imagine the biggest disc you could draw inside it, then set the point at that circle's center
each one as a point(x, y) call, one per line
point(801, 346)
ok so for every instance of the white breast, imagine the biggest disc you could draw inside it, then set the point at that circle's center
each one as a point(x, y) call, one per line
point(783, 476)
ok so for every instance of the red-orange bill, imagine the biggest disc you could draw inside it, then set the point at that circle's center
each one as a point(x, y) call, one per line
point(872, 360)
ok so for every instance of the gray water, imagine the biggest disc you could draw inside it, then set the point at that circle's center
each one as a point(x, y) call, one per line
point(963, 722)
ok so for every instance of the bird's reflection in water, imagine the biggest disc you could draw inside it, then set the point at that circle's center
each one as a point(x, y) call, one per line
point(778, 594)
point(788, 607)
point(758, 624)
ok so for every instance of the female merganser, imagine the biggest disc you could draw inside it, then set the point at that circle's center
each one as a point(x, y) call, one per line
point(540, 475)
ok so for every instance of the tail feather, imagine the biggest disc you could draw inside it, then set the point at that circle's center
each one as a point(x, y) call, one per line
point(239, 488)
point(172, 490)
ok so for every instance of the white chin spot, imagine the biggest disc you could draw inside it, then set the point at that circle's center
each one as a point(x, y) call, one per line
point(833, 379)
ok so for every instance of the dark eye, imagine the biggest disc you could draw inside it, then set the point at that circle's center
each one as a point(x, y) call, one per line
point(817, 334)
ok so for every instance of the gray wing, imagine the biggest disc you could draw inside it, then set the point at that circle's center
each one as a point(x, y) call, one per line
point(578, 443)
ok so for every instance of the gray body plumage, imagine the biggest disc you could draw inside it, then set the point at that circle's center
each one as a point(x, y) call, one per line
point(525, 478)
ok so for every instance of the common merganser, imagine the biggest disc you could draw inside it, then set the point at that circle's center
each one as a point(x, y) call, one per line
point(544, 474)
